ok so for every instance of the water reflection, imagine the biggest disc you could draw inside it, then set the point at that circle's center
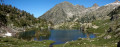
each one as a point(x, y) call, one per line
point(62, 36)
point(37, 35)
point(59, 36)
point(42, 35)
point(26, 35)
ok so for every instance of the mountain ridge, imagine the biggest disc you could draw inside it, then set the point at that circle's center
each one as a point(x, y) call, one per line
point(71, 11)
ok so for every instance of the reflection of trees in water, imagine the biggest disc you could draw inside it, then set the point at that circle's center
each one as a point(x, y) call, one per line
point(56, 35)
point(87, 34)
point(42, 35)
point(43, 38)
point(30, 35)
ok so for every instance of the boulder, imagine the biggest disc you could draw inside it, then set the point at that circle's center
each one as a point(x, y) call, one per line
point(107, 37)
point(95, 27)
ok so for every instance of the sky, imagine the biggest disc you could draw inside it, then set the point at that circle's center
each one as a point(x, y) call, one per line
point(39, 7)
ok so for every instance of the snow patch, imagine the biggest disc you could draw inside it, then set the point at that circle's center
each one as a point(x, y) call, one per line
point(107, 5)
point(115, 3)
point(8, 34)
point(97, 7)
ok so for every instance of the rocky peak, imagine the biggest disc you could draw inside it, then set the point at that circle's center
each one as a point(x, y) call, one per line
point(95, 5)
point(117, 1)
point(80, 6)
point(65, 3)
point(65, 10)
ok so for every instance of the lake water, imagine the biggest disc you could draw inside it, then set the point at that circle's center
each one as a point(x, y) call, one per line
point(61, 36)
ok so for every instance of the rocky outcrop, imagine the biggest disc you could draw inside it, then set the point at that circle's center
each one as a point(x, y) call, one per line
point(86, 25)
point(107, 37)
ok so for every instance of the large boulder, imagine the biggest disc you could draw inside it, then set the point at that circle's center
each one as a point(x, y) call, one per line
point(107, 37)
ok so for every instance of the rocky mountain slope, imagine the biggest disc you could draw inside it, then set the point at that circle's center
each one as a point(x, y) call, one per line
point(61, 12)
point(66, 12)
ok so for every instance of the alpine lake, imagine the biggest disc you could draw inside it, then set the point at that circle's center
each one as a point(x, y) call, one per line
point(59, 36)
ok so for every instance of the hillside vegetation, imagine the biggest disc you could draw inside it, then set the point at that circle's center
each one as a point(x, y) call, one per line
point(19, 19)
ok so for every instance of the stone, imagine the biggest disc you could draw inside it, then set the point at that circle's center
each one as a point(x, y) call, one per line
point(107, 37)
point(95, 27)
point(8, 34)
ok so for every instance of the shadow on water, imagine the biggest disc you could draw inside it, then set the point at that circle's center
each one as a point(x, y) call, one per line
point(59, 36)
point(26, 35)
point(34, 35)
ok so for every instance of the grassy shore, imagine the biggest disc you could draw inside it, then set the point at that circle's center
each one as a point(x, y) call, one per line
point(97, 42)
point(13, 42)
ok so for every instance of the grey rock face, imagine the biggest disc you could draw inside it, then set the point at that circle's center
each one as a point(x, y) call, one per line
point(62, 12)
point(66, 11)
